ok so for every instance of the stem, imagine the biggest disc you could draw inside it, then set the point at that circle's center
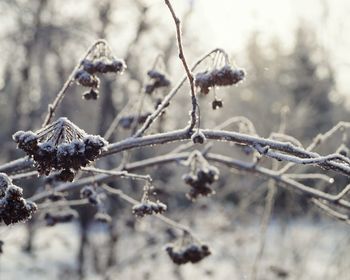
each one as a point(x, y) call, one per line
point(185, 65)
point(59, 97)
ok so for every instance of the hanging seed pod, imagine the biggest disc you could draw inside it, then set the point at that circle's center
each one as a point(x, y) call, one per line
point(225, 76)
point(61, 146)
point(157, 80)
point(13, 207)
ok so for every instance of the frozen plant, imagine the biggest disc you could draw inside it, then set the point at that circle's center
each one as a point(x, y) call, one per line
point(148, 207)
point(157, 80)
point(13, 207)
point(99, 61)
point(201, 176)
point(60, 146)
point(225, 76)
point(187, 250)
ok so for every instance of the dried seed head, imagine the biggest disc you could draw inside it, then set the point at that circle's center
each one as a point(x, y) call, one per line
point(157, 80)
point(60, 146)
point(200, 182)
point(193, 253)
point(92, 94)
point(148, 208)
point(224, 76)
point(13, 207)
point(217, 103)
point(86, 79)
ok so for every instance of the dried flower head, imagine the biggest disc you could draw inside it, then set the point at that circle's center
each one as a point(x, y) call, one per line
point(148, 208)
point(224, 76)
point(92, 94)
point(187, 250)
point(217, 103)
point(157, 80)
point(99, 61)
point(13, 207)
point(60, 146)
point(201, 176)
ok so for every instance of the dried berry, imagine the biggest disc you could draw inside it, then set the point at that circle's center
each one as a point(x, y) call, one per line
point(102, 65)
point(92, 94)
point(200, 182)
point(217, 103)
point(60, 146)
point(157, 80)
point(148, 208)
point(198, 137)
point(89, 66)
point(13, 207)
point(86, 79)
point(191, 253)
point(224, 76)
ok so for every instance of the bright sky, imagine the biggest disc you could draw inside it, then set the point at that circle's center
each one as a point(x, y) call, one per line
point(228, 23)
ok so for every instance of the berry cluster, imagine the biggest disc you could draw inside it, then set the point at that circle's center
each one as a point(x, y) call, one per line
point(200, 180)
point(157, 80)
point(148, 207)
point(217, 103)
point(60, 146)
point(224, 76)
point(61, 216)
point(191, 253)
point(87, 73)
point(13, 207)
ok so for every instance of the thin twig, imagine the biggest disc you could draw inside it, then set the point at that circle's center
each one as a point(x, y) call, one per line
point(133, 201)
point(185, 65)
point(59, 97)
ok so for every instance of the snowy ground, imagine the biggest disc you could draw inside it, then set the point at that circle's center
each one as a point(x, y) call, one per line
point(301, 249)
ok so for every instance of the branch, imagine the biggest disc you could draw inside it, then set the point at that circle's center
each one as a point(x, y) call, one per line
point(59, 97)
point(185, 65)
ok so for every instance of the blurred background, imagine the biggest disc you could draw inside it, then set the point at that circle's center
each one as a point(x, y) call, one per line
point(296, 57)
